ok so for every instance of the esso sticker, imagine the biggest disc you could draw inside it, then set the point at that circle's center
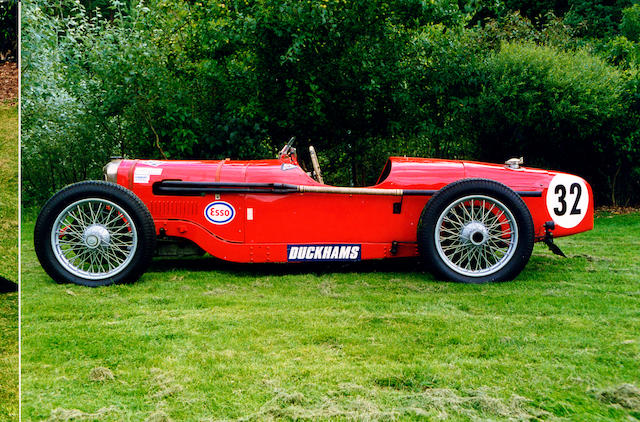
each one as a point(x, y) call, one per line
point(219, 212)
point(567, 200)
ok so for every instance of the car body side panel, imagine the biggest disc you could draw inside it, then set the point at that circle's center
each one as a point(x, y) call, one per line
point(312, 217)
point(263, 224)
point(266, 252)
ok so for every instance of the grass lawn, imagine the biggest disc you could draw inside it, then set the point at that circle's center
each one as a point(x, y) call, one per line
point(9, 262)
point(204, 340)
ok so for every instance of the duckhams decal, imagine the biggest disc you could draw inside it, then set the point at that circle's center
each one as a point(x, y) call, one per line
point(302, 253)
point(219, 212)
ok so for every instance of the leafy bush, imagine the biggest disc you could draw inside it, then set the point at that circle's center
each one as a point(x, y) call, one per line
point(630, 26)
point(619, 51)
point(109, 87)
point(547, 30)
point(61, 139)
point(209, 80)
point(360, 80)
point(596, 18)
point(8, 29)
point(536, 8)
point(563, 110)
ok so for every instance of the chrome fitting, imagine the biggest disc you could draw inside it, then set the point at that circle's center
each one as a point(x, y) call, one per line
point(111, 171)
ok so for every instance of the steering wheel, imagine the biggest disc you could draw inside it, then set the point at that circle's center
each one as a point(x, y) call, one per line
point(316, 165)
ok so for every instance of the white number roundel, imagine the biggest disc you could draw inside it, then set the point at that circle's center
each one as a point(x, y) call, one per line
point(567, 200)
point(219, 212)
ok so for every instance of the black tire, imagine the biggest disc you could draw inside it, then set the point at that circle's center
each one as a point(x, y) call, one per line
point(141, 227)
point(452, 265)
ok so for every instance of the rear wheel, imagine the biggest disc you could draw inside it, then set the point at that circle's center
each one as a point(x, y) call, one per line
point(94, 234)
point(476, 231)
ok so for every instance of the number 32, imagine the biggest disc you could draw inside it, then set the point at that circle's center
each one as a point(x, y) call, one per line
point(561, 191)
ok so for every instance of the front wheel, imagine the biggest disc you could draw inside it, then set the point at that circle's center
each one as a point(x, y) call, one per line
point(94, 234)
point(476, 231)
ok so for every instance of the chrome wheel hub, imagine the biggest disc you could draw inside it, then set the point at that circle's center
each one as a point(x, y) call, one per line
point(96, 235)
point(475, 233)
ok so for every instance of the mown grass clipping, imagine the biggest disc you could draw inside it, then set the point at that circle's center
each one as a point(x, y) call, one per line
point(9, 263)
point(204, 340)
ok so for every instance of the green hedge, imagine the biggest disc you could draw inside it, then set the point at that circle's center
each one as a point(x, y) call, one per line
point(9, 29)
point(562, 110)
point(360, 80)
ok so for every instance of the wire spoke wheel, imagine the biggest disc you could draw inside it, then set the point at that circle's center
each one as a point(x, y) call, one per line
point(94, 233)
point(476, 231)
point(94, 238)
point(476, 235)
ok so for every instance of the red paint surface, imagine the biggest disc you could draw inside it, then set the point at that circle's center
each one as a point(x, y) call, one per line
point(318, 218)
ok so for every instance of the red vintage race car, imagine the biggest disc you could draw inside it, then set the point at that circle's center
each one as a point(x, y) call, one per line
point(470, 222)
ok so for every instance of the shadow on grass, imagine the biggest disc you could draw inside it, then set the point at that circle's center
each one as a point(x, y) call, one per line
point(409, 266)
point(7, 286)
point(396, 265)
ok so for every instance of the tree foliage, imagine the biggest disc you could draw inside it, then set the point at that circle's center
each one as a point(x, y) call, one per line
point(358, 79)
point(8, 29)
point(630, 26)
point(565, 110)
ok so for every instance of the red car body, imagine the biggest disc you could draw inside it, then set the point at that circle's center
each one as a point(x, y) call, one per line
point(259, 218)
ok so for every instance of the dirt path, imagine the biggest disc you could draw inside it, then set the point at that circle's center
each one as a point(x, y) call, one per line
point(8, 83)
